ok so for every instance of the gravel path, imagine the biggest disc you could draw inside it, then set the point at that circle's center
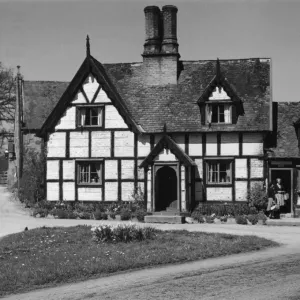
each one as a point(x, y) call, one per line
point(268, 274)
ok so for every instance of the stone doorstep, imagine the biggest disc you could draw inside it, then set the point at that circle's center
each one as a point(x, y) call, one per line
point(170, 219)
point(165, 213)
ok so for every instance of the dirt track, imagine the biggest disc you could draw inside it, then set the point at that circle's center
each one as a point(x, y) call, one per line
point(268, 274)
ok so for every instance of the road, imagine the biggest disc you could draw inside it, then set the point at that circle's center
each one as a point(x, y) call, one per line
point(268, 274)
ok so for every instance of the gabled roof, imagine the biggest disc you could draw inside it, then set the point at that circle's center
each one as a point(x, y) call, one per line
point(167, 143)
point(89, 66)
point(283, 141)
point(177, 105)
point(220, 81)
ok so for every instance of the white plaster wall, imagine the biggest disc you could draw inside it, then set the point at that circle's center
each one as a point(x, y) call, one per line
point(101, 143)
point(199, 168)
point(69, 191)
point(52, 169)
point(256, 168)
point(52, 191)
point(111, 191)
point(127, 190)
point(79, 98)
point(229, 144)
point(113, 119)
point(253, 144)
point(219, 94)
point(90, 87)
point(79, 144)
point(195, 145)
point(198, 191)
point(253, 184)
point(111, 169)
point(141, 171)
point(68, 119)
point(241, 168)
point(166, 155)
point(211, 144)
point(124, 143)
point(241, 190)
point(141, 185)
point(127, 169)
point(68, 169)
point(143, 145)
point(89, 194)
point(219, 194)
point(102, 97)
point(56, 146)
point(179, 139)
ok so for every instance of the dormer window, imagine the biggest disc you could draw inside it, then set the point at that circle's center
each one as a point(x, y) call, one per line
point(219, 113)
point(90, 116)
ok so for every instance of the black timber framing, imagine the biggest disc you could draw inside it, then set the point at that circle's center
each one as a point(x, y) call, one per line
point(135, 149)
point(67, 144)
point(119, 180)
point(60, 180)
point(248, 176)
point(240, 143)
point(218, 143)
point(233, 179)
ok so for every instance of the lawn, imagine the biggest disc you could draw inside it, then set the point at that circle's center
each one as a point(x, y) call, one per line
point(50, 256)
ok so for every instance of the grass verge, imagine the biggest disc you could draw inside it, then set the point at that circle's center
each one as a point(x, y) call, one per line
point(50, 256)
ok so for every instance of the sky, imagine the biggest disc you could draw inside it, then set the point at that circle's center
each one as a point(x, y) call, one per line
point(47, 38)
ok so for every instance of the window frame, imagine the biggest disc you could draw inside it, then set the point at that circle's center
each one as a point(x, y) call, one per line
point(218, 162)
point(214, 104)
point(88, 162)
point(78, 119)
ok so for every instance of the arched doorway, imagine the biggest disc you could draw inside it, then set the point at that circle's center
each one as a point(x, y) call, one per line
point(165, 188)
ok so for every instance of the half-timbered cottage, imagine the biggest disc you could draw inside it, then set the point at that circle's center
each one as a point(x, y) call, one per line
point(183, 131)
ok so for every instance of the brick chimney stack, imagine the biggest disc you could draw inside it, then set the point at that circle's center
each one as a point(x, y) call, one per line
point(153, 30)
point(169, 42)
point(160, 56)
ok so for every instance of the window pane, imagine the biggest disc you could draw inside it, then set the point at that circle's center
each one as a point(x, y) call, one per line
point(90, 172)
point(219, 172)
point(87, 117)
point(214, 118)
point(221, 113)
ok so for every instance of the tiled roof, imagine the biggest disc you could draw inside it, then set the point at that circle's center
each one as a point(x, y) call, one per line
point(176, 105)
point(40, 97)
point(284, 140)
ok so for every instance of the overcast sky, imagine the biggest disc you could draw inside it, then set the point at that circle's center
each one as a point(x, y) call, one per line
point(47, 38)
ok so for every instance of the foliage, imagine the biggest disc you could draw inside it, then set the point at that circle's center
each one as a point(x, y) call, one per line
point(60, 213)
point(122, 233)
point(42, 212)
point(262, 217)
point(99, 215)
point(220, 210)
point(209, 219)
point(223, 219)
point(196, 215)
point(240, 219)
point(140, 215)
point(138, 199)
point(253, 219)
point(125, 214)
point(32, 181)
point(258, 197)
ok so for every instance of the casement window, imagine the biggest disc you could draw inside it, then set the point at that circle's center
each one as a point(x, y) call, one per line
point(218, 172)
point(90, 172)
point(90, 116)
point(219, 113)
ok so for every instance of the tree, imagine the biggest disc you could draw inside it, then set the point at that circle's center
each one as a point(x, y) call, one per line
point(7, 104)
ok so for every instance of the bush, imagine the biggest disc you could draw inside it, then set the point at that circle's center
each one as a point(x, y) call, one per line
point(98, 215)
point(140, 215)
point(258, 197)
point(241, 220)
point(196, 215)
point(84, 215)
point(138, 200)
point(60, 213)
point(253, 210)
point(253, 219)
point(112, 215)
point(122, 233)
point(125, 215)
point(71, 215)
point(43, 212)
point(209, 219)
point(221, 210)
point(223, 219)
point(262, 217)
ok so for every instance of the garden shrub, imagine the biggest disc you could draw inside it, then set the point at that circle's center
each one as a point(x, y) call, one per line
point(253, 219)
point(253, 210)
point(196, 215)
point(138, 200)
point(262, 217)
point(221, 210)
point(112, 215)
point(122, 233)
point(140, 215)
point(125, 215)
point(71, 215)
point(98, 215)
point(240, 219)
point(104, 216)
point(223, 219)
point(209, 219)
point(84, 215)
point(43, 212)
point(258, 197)
point(60, 213)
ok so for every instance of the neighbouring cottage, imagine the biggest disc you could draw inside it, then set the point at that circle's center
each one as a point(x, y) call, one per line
point(185, 132)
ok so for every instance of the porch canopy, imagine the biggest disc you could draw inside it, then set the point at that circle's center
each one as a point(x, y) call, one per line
point(167, 143)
